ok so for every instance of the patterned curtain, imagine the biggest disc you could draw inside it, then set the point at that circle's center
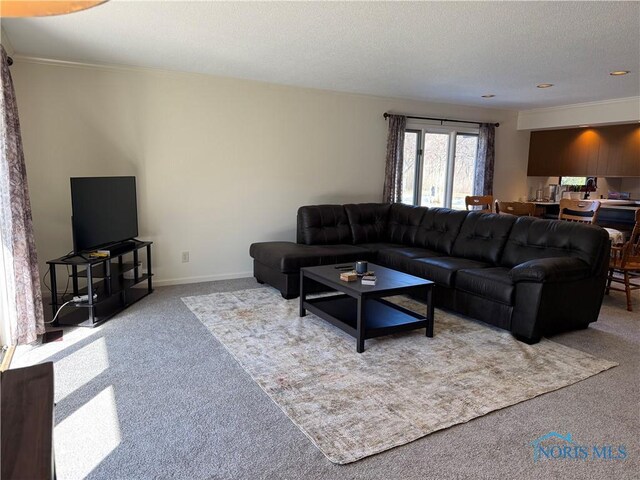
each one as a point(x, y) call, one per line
point(20, 272)
point(485, 159)
point(392, 191)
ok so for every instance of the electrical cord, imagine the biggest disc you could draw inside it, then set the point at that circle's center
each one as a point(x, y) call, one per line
point(74, 300)
point(44, 277)
point(66, 287)
point(44, 280)
point(61, 307)
point(64, 294)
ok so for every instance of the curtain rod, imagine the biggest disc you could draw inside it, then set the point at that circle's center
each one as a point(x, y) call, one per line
point(441, 120)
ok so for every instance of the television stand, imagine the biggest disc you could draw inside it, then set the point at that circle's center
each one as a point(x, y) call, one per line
point(117, 282)
point(117, 248)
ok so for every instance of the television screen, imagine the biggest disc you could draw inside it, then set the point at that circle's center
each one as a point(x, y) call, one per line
point(104, 211)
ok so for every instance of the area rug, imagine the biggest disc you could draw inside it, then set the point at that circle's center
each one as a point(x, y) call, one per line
point(401, 388)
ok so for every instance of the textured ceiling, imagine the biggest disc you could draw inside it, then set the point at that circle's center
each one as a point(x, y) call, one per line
point(441, 51)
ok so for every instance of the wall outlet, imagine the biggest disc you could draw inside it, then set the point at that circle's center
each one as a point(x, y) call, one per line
point(185, 257)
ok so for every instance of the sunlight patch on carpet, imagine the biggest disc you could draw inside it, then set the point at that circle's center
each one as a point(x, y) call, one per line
point(92, 432)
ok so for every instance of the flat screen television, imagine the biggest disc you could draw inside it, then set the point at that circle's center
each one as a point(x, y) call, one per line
point(104, 211)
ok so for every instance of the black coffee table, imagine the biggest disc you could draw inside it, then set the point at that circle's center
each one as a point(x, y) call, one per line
point(360, 310)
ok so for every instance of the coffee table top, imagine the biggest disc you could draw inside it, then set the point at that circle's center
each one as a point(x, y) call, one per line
point(387, 279)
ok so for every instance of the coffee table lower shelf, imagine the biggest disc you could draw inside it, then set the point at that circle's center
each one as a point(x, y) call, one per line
point(383, 317)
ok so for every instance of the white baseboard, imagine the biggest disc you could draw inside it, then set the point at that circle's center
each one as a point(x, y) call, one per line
point(170, 281)
point(203, 278)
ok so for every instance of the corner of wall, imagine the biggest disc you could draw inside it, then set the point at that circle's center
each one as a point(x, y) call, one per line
point(6, 43)
point(512, 156)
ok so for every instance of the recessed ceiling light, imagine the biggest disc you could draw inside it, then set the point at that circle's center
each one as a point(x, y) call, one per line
point(617, 73)
point(544, 85)
point(488, 95)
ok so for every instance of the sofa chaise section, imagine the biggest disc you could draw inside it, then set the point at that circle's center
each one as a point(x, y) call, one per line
point(278, 263)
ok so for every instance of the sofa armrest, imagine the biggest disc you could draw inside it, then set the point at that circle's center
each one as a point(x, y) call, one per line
point(551, 270)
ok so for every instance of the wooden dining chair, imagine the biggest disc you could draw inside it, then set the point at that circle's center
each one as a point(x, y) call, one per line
point(624, 265)
point(485, 202)
point(520, 209)
point(583, 211)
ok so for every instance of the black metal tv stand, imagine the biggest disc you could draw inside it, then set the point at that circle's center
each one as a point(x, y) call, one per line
point(115, 281)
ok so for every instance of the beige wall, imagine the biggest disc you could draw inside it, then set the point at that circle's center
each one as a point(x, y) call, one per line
point(629, 185)
point(615, 111)
point(220, 163)
point(4, 39)
point(534, 183)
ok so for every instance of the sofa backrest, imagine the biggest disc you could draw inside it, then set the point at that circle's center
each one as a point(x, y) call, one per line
point(368, 221)
point(323, 225)
point(403, 222)
point(439, 228)
point(483, 236)
point(533, 238)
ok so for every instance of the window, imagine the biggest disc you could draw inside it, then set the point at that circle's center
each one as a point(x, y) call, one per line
point(573, 180)
point(5, 325)
point(439, 165)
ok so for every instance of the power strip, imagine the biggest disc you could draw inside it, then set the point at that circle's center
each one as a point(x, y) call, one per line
point(83, 298)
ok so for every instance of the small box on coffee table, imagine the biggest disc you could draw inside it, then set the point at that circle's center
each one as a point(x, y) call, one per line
point(348, 276)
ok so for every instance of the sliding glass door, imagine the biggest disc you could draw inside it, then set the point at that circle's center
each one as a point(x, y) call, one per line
point(464, 169)
point(434, 170)
point(412, 149)
point(439, 166)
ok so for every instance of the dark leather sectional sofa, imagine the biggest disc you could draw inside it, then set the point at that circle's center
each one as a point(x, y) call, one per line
point(530, 276)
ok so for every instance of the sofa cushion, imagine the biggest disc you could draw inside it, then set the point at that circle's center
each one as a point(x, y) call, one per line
point(368, 221)
point(323, 224)
point(483, 236)
point(289, 257)
point(403, 222)
point(399, 257)
point(533, 239)
point(441, 270)
point(377, 247)
point(494, 283)
point(438, 229)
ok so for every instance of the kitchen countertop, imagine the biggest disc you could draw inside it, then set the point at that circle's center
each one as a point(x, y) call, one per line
point(620, 207)
point(602, 206)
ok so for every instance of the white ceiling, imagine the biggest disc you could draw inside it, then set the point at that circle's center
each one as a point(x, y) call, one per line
point(440, 51)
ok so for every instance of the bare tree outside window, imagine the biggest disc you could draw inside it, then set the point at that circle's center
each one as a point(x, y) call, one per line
point(442, 179)
point(434, 172)
point(409, 166)
point(465, 169)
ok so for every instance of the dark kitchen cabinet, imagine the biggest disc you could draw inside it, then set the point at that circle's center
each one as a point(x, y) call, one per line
point(546, 153)
point(611, 151)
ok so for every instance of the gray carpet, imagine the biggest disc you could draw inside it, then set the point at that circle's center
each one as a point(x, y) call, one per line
point(152, 394)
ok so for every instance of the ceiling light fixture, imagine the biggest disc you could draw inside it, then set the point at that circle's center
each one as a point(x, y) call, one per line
point(29, 8)
point(488, 95)
point(544, 85)
point(618, 73)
